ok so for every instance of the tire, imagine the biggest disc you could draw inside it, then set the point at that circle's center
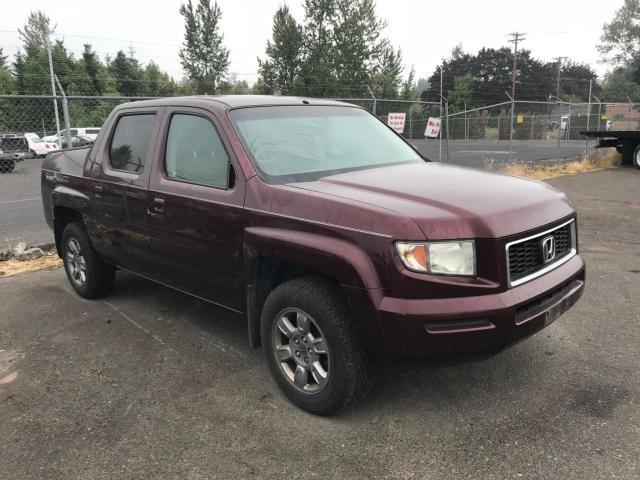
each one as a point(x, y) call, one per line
point(88, 274)
point(628, 152)
point(330, 328)
point(636, 157)
point(7, 166)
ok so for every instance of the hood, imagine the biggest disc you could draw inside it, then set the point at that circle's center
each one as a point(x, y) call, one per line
point(447, 201)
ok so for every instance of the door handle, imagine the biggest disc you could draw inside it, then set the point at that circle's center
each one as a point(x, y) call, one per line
point(97, 190)
point(157, 207)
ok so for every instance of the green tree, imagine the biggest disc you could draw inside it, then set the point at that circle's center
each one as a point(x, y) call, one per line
point(387, 77)
point(157, 82)
point(619, 84)
point(461, 96)
point(620, 40)
point(409, 89)
point(203, 55)
point(278, 71)
point(317, 72)
point(7, 84)
point(36, 32)
point(127, 74)
point(357, 44)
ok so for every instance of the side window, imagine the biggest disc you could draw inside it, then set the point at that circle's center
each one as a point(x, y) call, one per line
point(195, 152)
point(74, 131)
point(130, 142)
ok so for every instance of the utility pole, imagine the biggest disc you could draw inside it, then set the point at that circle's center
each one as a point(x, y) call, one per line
point(515, 38)
point(53, 84)
point(559, 59)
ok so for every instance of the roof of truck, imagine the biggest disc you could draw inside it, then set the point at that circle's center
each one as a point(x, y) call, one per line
point(232, 101)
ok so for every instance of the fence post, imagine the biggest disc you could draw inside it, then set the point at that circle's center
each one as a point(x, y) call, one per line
point(446, 112)
point(586, 139)
point(532, 116)
point(65, 114)
point(465, 122)
point(568, 132)
point(373, 97)
point(513, 109)
point(560, 125)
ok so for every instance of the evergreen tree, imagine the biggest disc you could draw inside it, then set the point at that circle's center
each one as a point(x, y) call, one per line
point(388, 72)
point(462, 94)
point(203, 55)
point(278, 71)
point(357, 45)
point(36, 33)
point(409, 88)
point(317, 70)
point(126, 73)
point(157, 82)
point(7, 83)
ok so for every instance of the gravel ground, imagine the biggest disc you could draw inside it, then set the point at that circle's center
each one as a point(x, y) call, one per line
point(150, 383)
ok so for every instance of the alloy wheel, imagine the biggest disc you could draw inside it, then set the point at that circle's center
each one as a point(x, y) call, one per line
point(301, 350)
point(76, 262)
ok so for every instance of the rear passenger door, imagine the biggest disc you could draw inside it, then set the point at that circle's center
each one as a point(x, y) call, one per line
point(196, 198)
point(120, 195)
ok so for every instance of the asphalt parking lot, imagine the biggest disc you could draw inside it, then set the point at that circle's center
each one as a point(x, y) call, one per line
point(475, 153)
point(149, 383)
point(21, 215)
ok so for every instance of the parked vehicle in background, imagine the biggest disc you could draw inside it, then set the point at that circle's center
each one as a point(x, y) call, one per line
point(319, 224)
point(13, 148)
point(626, 143)
point(90, 132)
point(76, 141)
point(38, 146)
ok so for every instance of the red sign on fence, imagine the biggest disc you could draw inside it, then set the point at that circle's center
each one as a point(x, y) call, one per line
point(396, 121)
point(433, 128)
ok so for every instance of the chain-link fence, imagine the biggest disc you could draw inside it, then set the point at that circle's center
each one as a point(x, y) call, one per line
point(29, 130)
point(539, 121)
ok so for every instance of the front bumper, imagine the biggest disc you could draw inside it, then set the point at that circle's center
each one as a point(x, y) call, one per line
point(482, 323)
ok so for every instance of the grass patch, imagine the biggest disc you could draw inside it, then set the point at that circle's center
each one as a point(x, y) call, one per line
point(48, 261)
point(588, 163)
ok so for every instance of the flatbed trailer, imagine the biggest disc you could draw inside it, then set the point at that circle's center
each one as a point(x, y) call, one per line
point(626, 142)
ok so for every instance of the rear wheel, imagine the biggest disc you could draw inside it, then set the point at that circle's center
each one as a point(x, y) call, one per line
point(312, 346)
point(636, 157)
point(88, 274)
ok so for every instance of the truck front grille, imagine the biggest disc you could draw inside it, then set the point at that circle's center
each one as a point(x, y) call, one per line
point(525, 257)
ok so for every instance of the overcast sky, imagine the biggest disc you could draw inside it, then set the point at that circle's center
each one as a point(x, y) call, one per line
point(425, 30)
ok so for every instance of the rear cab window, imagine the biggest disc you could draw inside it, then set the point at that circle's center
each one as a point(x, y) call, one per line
point(130, 142)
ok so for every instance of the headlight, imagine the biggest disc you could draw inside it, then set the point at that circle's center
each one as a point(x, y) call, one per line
point(439, 258)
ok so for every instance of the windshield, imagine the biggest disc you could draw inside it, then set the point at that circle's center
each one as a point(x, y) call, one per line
point(297, 143)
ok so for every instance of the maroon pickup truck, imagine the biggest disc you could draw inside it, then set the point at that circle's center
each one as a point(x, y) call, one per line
point(332, 237)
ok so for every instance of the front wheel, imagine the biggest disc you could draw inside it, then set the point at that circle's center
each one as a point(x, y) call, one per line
point(88, 274)
point(312, 346)
point(636, 157)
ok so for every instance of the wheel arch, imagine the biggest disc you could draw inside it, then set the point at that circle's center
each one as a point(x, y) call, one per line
point(274, 256)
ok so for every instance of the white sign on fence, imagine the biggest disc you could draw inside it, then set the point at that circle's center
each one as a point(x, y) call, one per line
point(396, 121)
point(433, 128)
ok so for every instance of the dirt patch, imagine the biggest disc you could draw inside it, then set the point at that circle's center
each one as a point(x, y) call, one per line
point(586, 164)
point(12, 267)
